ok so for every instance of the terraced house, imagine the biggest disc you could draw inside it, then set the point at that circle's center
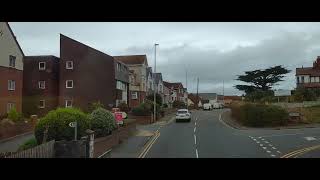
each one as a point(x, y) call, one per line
point(11, 70)
point(137, 65)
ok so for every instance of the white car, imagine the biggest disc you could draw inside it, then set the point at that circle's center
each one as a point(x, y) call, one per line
point(207, 106)
point(217, 105)
point(183, 115)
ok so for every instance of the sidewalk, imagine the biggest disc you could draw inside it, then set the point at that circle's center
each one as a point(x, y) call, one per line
point(12, 144)
point(133, 146)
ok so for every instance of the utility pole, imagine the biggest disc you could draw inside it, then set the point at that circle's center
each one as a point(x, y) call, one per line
point(154, 83)
point(187, 87)
point(198, 92)
point(223, 91)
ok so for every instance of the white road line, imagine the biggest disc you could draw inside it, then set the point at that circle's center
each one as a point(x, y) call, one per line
point(261, 145)
point(196, 118)
point(195, 123)
point(268, 151)
point(279, 152)
point(264, 147)
point(254, 139)
point(272, 155)
point(194, 130)
point(258, 142)
point(262, 139)
point(282, 135)
point(266, 142)
point(310, 138)
point(274, 148)
point(270, 144)
point(197, 153)
point(195, 139)
point(259, 137)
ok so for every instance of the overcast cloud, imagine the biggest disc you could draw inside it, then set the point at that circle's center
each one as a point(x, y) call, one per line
point(214, 52)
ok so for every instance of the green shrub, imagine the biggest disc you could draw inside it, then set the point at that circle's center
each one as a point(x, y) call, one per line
point(124, 107)
point(140, 111)
point(58, 121)
point(95, 105)
point(102, 122)
point(165, 105)
point(14, 115)
point(28, 144)
point(260, 115)
point(179, 104)
point(158, 98)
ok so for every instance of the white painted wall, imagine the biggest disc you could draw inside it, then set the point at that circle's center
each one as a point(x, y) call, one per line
point(8, 47)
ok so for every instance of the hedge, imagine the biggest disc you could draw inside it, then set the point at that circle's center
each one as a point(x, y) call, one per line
point(58, 121)
point(260, 115)
point(102, 122)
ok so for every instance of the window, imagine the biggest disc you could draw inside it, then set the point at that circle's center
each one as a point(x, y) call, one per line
point(12, 61)
point(10, 106)
point(69, 84)
point(302, 79)
point(119, 85)
point(118, 67)
point(69, 65)
point(134, 95)
point(68, 103)
point(317, 79)
point(297, 79)
point(42, 104)
point(42, 65)
point(11, 85)
point(42, 84)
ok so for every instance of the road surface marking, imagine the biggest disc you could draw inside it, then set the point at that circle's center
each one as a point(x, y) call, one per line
point(254, 139)
point(148, 147)
point(220, 119)
point(300, 151)
point(195, 139)
point(272, 155)
point(195, 123)
point(259, 137)
point(258, 142)
point(274, 148)
point(270, 144)
point(310, 138)
point(268, 151)
point(266, 142)
point(262, 139)
point(196, 118)
point(264, 147)
point(197, 153)
point(279, 152)
point(251, 137)
point(194, 130)
point(261, 145)
point(281, 135)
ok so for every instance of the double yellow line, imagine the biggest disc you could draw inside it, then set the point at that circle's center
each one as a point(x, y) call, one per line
point(149, 145)
point(298, 152)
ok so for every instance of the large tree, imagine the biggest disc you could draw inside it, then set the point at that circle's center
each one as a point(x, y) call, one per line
point(261, 80)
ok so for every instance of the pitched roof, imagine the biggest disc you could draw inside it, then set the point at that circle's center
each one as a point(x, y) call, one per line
point(132, 59)
point(15, 38)
point(194, 98)
point(208, 96)
point(308, 71)
point(235, 98)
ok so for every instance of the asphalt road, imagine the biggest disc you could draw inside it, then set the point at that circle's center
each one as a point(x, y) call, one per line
point(206, 136)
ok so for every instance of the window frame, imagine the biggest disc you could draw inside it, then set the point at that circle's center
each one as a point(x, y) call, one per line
point(66, 103)
point(10, 82)
point(134, 93)
point(39, 84)
point(11, 57)
point(67, 84)
point(12, 105)
point(42, 62)
point(44, 104)
point(67, 67)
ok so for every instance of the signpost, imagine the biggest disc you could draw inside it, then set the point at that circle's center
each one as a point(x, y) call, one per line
point(74, 125)
point(282, 92)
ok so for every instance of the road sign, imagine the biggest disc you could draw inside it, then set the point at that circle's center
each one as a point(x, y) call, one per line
point(72, 124)
point(281, 92)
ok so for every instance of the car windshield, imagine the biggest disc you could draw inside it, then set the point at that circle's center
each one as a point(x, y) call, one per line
point(182, 112)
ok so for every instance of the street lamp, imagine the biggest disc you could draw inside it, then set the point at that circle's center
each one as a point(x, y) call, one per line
point(154, 81)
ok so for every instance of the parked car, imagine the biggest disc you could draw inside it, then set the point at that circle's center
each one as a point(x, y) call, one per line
point(183, 115)
point(207, 106)
point(217, 105)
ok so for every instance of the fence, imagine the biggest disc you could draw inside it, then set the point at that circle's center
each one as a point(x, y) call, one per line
point(42, 151)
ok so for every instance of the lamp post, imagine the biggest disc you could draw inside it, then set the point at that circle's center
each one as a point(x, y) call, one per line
point(154, 82)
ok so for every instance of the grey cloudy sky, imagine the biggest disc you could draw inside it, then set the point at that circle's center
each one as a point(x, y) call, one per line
point(213, 51)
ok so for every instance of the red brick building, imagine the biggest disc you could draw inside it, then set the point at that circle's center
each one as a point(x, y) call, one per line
point(309, 77)
point(40, 84)
point(11, 70)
